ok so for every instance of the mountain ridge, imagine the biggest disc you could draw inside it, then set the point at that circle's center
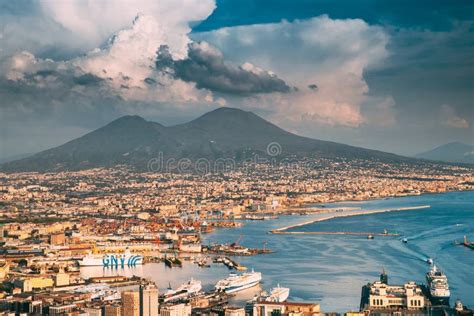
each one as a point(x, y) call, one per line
point(453, 152)
point(222, 133)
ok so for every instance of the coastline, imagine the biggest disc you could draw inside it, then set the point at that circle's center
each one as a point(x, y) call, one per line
point(284, 230)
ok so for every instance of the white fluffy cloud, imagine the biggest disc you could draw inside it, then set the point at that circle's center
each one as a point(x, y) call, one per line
point(126, 62)
point(324, 58)
point(95, 20)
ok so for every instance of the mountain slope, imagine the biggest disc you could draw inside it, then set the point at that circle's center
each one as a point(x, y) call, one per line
point(224, 132)
point(452, 152)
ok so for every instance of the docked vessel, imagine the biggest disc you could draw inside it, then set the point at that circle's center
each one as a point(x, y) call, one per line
point(438, 286)
point(112, 260)
point(184, 291)
point(278, 294)
point(238, 282)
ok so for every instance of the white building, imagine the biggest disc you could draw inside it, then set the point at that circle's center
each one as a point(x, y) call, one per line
point(384, 296)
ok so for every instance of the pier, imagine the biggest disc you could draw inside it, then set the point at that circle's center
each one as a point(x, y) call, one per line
point(284, 230)
point(338, 233)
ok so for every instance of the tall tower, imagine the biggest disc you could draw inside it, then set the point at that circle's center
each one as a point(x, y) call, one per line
point(148, 300)
point(131, 303)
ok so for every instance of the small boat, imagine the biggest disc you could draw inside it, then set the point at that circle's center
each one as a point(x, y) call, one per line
point(404, 240)
point(429, 260)
point(370, 236)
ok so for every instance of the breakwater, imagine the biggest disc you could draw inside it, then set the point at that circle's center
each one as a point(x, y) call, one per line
point(284, 230)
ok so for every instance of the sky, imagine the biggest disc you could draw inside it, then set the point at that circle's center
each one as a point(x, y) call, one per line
point(392, 75)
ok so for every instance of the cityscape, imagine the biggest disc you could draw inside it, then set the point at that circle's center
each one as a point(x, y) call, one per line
point(224, 158)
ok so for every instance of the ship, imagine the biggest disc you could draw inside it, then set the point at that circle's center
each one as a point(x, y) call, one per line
point(186, 290)
point(438, 286)
point(126, 259)
point(278, 294)
point(238, 282)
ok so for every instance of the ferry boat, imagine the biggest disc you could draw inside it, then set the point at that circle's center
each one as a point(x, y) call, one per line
point(112, 260)
point(238, 282)
point(278, 294)
point(438, 286)
point(185, 290)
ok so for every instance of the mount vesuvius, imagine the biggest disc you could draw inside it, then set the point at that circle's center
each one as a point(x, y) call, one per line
point(224, 132)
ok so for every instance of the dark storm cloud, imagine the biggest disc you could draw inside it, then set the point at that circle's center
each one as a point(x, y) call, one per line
point(206, 67)
point(87, 79)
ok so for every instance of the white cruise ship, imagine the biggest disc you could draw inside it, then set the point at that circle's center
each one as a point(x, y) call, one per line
point(238, 282)
point(185, 290)
point(112, 260)
point(278, 294)
point(438, 286)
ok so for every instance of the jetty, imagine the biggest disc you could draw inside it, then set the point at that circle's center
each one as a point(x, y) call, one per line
point(385, 234)
point(284, 230)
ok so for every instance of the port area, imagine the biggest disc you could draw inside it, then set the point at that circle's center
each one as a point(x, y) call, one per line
point(337, 214)
point(204, 262)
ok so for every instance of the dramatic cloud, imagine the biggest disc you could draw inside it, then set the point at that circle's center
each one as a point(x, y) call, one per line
point(70, 28)
point(75, 65)
point(206, 67)
point(332, 53)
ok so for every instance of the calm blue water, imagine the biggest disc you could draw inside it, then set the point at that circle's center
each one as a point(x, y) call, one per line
point(332, 269)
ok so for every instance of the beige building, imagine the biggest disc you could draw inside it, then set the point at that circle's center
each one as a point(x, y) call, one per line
point(234, 311)
point(57, 239)
point(4, 269)
point(148, 300)
point(113, 310)
point(29, 284)
point(130, 303)
point(175, 310)
point(61, 309)
point(61, 279)
point(286, 308)
point(93, 311)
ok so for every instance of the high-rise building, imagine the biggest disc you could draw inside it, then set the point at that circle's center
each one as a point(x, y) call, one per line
point(113, 310)
point(148, 300)
point(131, 303)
